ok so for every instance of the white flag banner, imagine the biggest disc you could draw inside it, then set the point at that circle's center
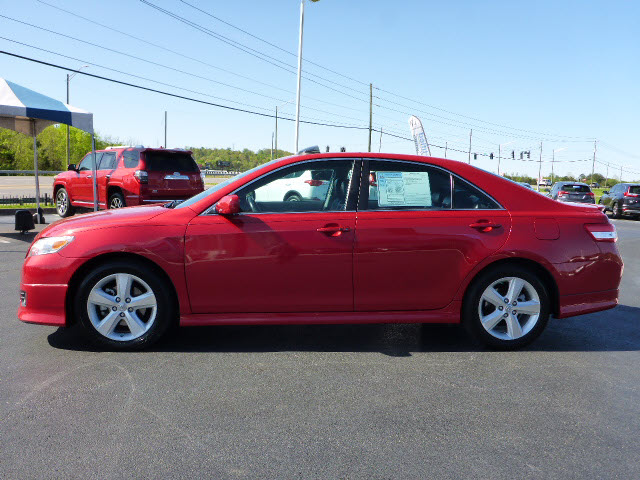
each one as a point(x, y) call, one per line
point(419, 137)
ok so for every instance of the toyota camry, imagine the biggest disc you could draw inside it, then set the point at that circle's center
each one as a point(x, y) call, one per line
point(389, 238)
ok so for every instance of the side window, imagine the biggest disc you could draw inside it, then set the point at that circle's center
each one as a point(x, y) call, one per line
point(87, 162)
point(407, 186)
point(108, 161)
point(131, 158)
point(466, 196)
point(305, 187)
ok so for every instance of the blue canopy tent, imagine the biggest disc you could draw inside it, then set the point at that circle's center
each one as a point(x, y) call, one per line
point(29, 112)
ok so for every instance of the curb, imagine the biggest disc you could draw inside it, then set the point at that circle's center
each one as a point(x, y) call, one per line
point(12, 211)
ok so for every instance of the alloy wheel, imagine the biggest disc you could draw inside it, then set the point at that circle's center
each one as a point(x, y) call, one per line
point(62, 202)
point(116, 202)
point(509, 308)
point(122, 307)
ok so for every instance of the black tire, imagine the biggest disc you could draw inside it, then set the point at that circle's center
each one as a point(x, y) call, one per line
point(63, 203)
point(116, 200)
point(471, 308)
point(165, 311)
point(293, 197)
point(617, 210)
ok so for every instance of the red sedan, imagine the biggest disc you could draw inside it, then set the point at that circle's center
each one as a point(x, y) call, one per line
point(390, 239)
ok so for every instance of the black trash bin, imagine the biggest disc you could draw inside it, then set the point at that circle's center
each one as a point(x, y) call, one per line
point(24, 221)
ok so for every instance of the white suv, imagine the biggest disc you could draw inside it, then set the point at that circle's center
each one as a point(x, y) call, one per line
point(295, 187)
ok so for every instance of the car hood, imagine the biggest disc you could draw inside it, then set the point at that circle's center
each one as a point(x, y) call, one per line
point(104, 219)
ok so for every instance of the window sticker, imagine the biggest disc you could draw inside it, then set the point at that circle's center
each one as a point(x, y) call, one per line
point(404, 189)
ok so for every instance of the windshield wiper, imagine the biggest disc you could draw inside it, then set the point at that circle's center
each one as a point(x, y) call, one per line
point(173, 204)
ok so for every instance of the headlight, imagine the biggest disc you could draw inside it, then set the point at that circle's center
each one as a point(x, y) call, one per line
point(49, 245)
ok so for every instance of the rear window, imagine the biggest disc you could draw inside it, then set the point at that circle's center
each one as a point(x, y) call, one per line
point(576, 188)
point(169, 162)
point(635, 189)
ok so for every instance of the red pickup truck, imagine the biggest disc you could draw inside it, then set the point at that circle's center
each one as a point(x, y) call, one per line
point(128, 176)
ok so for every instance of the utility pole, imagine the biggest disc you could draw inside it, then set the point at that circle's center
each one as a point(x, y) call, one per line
point(380, 148)
point(593, 165)
point(271, 145)
point(68, 135)
point(553, 159)
point(470, 135)
point(165, 129)
point(370, 112)
point(276, 131)
point(540, 167)
point(606, 179)
point(620, 173)
point(446, 146)
point(498, 159)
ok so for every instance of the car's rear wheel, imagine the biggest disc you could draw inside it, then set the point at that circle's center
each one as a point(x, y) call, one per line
point(116, 200)
point(293, 197)
point(63, 203)
point(506, 307)
point(617, 210)
point(124, 305)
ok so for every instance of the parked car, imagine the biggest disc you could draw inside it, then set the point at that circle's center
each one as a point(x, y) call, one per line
point(545, 182)
point(308, 185)
point(572, 192)
point(622, 199)
point(441, 241)
point(595, 185)
point(128, 176)
point(525, 184)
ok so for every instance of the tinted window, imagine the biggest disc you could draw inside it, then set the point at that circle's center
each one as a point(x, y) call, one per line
point(307, 187)
point(635, 189)
point(108, 161)
point(572, 188)
point(87, 162)
point(466, 196)
point(131, 158)
point(169, 162)
point(407, 186)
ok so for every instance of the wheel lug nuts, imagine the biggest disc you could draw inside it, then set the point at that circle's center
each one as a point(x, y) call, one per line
point(128, 300)
point(505, 315)
point(514, 303)
point(130, 309)
point(117, 299)
point(514, 312)
point(122, 314)
point(114, 308)
point(506, 300)
point(499, 308)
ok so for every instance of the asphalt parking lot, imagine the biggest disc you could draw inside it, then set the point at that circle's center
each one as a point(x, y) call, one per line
point(368, 401)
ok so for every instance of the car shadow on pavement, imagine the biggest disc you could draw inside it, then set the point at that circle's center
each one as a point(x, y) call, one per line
point(22, 237)
point(613, 330)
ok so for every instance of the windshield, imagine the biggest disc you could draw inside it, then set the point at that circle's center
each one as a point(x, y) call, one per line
point(215, 188)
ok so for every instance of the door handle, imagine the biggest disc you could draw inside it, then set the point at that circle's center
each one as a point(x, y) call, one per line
point(89, 176)
point(485, 226)
point(333, 230)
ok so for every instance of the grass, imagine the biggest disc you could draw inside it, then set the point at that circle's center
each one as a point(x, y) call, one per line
point(26, 205)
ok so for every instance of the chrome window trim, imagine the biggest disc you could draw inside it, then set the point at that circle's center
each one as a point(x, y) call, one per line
point(208, 211)
point(410, 162)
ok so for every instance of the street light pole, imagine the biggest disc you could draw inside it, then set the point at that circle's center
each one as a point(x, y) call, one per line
point(553, 159)
point(500, 145)
point(299, 74)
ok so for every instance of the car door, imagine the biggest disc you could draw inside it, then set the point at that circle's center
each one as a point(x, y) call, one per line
point(83, 187)
point(277, 255)
point(107, 165)
point(415, 241)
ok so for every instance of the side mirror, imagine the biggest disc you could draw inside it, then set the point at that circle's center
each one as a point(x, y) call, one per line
point(228, 205)
point(72, 167)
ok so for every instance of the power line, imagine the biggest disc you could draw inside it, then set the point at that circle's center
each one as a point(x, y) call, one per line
point(169, 94)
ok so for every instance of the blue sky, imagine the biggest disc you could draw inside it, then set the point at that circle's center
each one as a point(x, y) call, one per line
point(516, 72)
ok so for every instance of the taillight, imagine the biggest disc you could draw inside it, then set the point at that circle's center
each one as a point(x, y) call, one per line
point(314, 183)
point(142, 176)
point(590, 194)
point(602, 232)
point(629, 194)
point(562, 193)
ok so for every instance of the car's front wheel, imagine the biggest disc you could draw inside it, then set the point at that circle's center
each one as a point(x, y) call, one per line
point(63, 203)
point(124, 305)
point(506, 307)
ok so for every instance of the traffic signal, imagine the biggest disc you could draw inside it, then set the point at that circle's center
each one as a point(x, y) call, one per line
point(513, 154)
point(475, 156)
point(327, 148)
point(491, 156)
point(521, 155)
point(529, 154)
